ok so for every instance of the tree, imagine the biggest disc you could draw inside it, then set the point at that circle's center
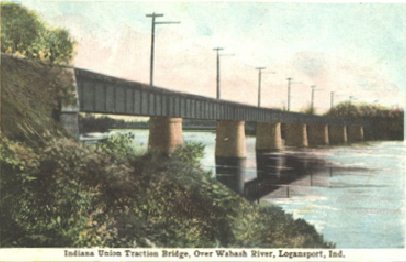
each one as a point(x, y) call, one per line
point(23, 33)
point(58, 46)
point(20, 28)
point(348, 109)
point(309, 110)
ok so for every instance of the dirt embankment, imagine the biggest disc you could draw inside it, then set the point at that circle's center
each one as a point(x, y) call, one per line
point(30, 95)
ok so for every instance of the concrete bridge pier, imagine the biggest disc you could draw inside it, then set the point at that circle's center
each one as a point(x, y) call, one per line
point(70, 122)
point(296, 135)
point(165, 134)
point(69, 108)
point(337, 134)
point(269, 137)
point(230, 139)
point(231, 154)
point(355, 133)
point(268, 143)
point(317, 134)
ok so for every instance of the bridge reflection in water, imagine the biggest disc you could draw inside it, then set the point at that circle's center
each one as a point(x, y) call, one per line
point(276, 171)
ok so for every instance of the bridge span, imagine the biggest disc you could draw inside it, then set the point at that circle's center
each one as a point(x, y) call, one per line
point(97, 93)
point(105, 94)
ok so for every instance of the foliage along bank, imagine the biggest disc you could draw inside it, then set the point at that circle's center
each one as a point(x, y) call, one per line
point(67, 194)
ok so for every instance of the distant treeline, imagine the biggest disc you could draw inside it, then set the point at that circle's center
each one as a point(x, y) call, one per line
point(386, 124)
point(384, 128)
point(364, 110)
point(103, 124)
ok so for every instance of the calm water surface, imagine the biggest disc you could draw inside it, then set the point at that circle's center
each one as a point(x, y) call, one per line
point(354, 195)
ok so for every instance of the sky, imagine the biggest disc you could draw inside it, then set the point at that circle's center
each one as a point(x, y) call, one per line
point(354, 49)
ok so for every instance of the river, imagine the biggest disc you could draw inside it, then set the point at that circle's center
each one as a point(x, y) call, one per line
point(353, 195)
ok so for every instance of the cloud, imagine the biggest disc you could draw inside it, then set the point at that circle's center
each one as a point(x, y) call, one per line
point(311, 64)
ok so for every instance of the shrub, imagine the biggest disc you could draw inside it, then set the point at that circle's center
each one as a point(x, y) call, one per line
point(73, 195)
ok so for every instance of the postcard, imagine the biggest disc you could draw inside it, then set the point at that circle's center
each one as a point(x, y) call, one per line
point(202, 131)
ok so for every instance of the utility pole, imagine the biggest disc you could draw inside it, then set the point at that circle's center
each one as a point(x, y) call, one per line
point(218, 49)
point(313, 87)
point(289, 85)
point(153, 17)
point(351, 98)
point(331, 99)
point(376, 101)
point(259, 84)
point(218, 55)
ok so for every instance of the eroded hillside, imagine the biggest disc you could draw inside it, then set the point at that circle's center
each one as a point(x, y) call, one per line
point(30, 98)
